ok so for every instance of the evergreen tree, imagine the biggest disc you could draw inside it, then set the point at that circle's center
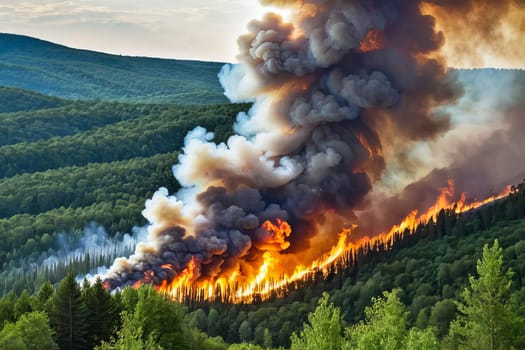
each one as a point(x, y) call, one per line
point(68, 315)
point(102, 313)
point(159, 318)
point(43, 300)
point(245, 331)
point(7, 306)
point(485, 319)
point(22, 305)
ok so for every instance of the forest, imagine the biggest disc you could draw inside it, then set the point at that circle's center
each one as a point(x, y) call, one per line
point(83, 158)
point(455, 282)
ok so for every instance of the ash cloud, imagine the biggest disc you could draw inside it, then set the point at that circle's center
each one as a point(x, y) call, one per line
point(331, 105)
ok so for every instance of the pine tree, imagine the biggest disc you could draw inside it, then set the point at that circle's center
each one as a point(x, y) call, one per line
point(43, 300)
point(385, 328)
point(68, 315)
point(22, 305)
point(102, 313)
point(486, 320)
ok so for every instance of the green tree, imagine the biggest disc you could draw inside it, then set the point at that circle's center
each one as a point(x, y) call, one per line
point(160, 318)
point(43, 300)
point(421, 339)
point(244, 346)
point(485, 318)
point(129, 337)
point(36, 332)
point(31, 331)
point(11, 338)
point(7, 306)
point(323, 330)
point(23, 304)
point(267, 339)
point(384, 327)
point(245, 331)
point(102, 313)
point(68, 315)
point(442, 314)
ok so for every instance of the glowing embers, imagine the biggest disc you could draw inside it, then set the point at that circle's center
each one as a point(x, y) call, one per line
point(374, 40)
point(267, 277)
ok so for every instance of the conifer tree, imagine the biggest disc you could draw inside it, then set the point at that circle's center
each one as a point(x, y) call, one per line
point(68, 315)
point(101, 312)
point(486, 319)
point(22, 305)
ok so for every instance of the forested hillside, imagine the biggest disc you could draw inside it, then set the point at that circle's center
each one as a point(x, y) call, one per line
point(57, 70)
point(68, 163)
point(416, 295)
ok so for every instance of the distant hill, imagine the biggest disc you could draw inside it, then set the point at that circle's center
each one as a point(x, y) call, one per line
point(19, 100)
point(61, 71)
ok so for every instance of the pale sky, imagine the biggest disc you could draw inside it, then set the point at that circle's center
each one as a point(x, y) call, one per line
point(187, 29)
point(195, 29)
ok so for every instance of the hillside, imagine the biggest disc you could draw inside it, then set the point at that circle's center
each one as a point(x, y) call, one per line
point(18, 100)
point(57, 70)
point(430, 269)
point(67, 166)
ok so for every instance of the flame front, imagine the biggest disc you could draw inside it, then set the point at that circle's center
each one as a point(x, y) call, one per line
point(270, 279)
point(340, 91)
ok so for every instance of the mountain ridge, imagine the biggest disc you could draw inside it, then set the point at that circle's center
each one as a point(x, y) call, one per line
point(57, 70)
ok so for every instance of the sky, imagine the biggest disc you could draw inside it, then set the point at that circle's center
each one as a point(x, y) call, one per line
point(186, 29)
point(196, 29)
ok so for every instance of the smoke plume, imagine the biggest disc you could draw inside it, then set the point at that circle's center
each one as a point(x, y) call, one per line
point(341, 92)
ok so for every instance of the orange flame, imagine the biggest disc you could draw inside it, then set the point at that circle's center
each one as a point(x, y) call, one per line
point(373, 40)
point(277, 234)
point(246, 284)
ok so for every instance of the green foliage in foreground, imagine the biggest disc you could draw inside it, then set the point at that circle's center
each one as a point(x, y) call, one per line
point(91, 318)
point(486, 317)
point(485, 320)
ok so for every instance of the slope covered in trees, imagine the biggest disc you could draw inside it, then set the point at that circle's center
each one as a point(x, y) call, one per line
point(483, 308)
point(76, 162)
point(57, 70)
point(429, 267)
point(18, 100)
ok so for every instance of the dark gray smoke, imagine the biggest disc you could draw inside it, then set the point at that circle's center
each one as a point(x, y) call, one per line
point(337, 90)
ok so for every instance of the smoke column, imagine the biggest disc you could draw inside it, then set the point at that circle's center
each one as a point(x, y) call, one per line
point(340, 91)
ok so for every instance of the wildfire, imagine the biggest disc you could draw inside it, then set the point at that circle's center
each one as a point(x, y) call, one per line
point(373, 40)
point(269, 278)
